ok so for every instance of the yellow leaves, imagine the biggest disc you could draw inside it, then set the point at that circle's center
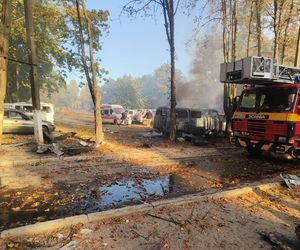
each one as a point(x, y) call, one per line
point(36, 204)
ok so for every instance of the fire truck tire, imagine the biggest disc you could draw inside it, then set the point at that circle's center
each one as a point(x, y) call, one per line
point(254, 151)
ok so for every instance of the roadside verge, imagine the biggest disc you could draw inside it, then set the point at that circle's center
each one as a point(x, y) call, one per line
point(69, 221)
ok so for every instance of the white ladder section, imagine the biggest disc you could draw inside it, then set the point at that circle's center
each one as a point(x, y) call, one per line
point(258, 70)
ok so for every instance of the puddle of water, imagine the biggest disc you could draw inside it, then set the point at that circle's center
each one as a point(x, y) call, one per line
point(125, 191)
point(122, 192)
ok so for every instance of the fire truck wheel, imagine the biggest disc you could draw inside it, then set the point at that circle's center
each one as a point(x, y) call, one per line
point(254, 151)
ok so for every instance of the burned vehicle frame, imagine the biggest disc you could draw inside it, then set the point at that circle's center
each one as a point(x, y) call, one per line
point(196, 122)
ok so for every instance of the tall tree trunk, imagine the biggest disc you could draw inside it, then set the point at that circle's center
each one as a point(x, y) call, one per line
point(168, 12)
point(286, 31)
point(224, 22)
point(96, 91)
point(173, 80)
point(83, 54)
point(297, 52)
point(92, 83)
point(234, 31)
point(258, 25)
point(249, 27)
point(4, 45)
point(277, 25)
point(17, 84)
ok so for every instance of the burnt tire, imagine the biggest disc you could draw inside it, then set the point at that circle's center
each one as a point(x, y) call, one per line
point(47, 134)
point(254, 151)
point(46, 129)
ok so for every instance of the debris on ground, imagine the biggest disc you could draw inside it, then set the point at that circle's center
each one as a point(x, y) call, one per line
point(59, 151)
point(70, 246)
point(54, 148)
point(107, 130)
point(76, 150)
point(180, 139)
point(42, 149)
point(200, 142)
point(64, 136)
point(86, 144)
point(146, 145)
point(152, 134)
point(290, 180)
point(85, 231)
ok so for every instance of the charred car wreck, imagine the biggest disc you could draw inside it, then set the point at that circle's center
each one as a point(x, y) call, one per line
point(196, 122)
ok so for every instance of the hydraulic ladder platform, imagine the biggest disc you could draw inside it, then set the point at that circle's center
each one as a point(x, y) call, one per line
point(258, 70)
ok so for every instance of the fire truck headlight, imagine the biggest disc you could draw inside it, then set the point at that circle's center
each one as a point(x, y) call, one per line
point(282, 139)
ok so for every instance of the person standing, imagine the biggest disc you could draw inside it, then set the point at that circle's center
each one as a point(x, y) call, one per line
point(148, 117)
point(124, 118)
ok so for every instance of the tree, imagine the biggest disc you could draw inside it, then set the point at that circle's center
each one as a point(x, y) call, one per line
point(249, 26)
point(297, 52)
point(4, 45)
point(54, 59)
point(258, 6)
point(169, 9)
point(126, 91)
point(92, 81)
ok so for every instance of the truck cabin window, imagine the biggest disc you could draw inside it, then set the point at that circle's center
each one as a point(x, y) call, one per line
point(181, 113)
point(196, 114)
point(268, 100)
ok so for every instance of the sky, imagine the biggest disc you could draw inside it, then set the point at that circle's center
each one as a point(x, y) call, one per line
point(138, 46)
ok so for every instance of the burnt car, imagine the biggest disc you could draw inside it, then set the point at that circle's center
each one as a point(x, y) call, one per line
point(17, 122)
point(190, 121)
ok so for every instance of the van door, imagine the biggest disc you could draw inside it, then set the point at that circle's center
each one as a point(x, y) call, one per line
point(18, 124)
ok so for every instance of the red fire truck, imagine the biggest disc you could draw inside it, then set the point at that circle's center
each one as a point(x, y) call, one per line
point(267, 117)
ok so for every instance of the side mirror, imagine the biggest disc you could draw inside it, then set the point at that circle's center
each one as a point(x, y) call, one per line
point(236, 101)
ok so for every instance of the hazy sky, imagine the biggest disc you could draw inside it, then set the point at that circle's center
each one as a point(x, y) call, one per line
point(139, 46)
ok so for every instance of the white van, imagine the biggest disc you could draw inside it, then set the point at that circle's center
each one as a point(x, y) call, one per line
point(47, 109)
point(111, 113)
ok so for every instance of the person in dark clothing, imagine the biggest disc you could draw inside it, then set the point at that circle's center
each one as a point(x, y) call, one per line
point(148, 117)
point(124, 118)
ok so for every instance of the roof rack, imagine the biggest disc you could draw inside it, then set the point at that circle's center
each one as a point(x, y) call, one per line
point(258, 70)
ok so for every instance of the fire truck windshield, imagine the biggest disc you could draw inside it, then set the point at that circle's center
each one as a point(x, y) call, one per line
point(268, 99)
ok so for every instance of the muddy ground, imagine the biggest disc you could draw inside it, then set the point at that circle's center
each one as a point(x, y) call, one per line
point(127, 169)
point(261, 219)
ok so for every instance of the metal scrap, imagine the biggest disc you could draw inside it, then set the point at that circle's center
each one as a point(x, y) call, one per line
point(54, 148)
point(290, 180)
point(86, 144)
point(152, 134)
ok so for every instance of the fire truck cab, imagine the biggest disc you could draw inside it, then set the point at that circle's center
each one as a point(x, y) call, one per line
point(267, 116)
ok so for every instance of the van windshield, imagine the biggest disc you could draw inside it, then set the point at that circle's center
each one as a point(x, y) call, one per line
point(268, 100)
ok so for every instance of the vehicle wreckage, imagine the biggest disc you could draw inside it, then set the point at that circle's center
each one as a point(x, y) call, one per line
point(195, 122)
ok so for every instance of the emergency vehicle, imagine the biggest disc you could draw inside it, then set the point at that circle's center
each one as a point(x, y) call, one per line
point(267, 115)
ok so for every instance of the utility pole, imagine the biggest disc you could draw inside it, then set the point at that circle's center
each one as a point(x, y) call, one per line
point(4, 32)
point(35, 90)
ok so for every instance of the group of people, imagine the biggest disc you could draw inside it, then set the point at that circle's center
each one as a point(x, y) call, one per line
point(148, 118)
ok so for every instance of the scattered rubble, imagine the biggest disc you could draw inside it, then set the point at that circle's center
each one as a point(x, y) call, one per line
point(290, 180)
point(70, 246)
point(152, 134)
